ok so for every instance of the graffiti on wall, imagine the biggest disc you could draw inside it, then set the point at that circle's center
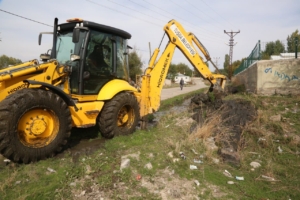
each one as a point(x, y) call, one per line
point(283, 76)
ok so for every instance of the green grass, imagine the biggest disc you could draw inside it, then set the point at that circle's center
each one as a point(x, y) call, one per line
point(100, 169)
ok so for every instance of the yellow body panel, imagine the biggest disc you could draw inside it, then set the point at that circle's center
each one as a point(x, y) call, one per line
point(87, 114)
point(114, 87)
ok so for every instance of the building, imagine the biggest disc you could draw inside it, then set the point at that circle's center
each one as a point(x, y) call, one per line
point(187, 79)
point(283, 56)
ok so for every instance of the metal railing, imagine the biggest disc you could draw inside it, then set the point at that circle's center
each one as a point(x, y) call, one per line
point(254, 56)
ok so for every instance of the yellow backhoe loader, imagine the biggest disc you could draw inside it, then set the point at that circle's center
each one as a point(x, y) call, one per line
point(84, 82)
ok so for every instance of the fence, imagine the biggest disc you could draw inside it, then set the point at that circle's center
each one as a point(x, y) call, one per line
point(254, 56)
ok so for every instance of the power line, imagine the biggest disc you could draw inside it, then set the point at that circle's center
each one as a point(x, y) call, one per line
point(122, 12)
point(194, 15)
point(181, 19)
point(195, 7)
point(134, 10)
point(216, 12)
point(90, 1)
point(25, 18)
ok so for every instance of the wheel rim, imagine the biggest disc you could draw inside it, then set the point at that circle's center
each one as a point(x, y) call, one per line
point(125, 116)
point(38, 128)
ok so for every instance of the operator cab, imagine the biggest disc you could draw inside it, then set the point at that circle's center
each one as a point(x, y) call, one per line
point(96, 54)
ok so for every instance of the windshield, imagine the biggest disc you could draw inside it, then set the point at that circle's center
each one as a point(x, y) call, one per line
point(65, 47)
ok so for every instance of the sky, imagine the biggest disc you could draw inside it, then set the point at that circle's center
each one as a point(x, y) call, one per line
point(264, 20)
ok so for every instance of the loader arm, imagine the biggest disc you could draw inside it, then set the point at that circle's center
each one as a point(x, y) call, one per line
point(155, 74)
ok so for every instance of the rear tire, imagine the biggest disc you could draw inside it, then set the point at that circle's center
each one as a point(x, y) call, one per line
point(119, 116)
point(34, 124)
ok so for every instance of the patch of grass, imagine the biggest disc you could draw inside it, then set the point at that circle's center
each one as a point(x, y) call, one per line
point(98, 173)
point(165, 104)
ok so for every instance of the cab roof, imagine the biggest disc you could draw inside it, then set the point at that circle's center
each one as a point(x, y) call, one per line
point(95, 26)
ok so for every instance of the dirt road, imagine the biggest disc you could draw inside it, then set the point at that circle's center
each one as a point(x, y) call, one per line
point(171, 92)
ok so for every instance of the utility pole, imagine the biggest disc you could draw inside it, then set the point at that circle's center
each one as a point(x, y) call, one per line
point(231, 44)
point(216, 58)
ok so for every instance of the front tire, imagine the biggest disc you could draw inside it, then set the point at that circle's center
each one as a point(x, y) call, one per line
point(119, 116)
point(34, 124)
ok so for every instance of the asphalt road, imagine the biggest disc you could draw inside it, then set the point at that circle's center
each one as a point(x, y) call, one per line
point(172, 92)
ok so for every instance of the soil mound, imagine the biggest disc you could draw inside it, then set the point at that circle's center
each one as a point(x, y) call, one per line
point(234, 116)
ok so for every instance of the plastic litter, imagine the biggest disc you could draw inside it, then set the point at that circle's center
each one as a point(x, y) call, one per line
point(138, 177)
point(261, 139)
point(193, 167)
point(255, 164)
point(279, 149)
point(197, 182)
point(197, 161)
point(51, 170)
point(182, 155)
point(194, 151)
point(6, 160)
point(239, 178)
point(230, 182)
point(227, 173)
point(268, 178)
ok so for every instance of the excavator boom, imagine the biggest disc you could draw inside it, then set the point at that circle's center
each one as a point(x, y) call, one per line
point(153, 79)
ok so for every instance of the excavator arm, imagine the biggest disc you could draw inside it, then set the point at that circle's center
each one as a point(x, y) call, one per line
point(155, 74)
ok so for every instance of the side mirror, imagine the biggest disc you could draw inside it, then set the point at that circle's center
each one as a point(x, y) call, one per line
point(76, 33)
point(74, 57)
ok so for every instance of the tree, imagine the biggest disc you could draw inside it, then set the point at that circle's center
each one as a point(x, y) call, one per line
point(5, 61)
point(184, 69)
point(226, 64)
point(291, 41)
point(135, 64)
point(273, 48)
point(172, 71)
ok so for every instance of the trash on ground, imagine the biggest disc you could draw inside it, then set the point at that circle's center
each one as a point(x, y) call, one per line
point(268, 178)
point(239, 178)
point(230, 182)
point(18, 182)
point(148, 166)
point(170, 154)
point(182, 155)
point(193, 167)
point(197, 161)
point(261, 139)
point(138, 177)
point(197, 182)
point(125, 163)
point(255, 164)
point(193, 150)
point(227, 173)
point(279, 149)
point(6, 160)
point(51, 170)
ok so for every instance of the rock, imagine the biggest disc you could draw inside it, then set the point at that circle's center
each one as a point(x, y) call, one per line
point(275, 118)
point(51, 170)
point(255, 164)
point(125, 163)
point(230, 156)
point(170, 154)
point(148, 166)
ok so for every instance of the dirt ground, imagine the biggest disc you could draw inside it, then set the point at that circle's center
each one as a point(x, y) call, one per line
point(229, 118)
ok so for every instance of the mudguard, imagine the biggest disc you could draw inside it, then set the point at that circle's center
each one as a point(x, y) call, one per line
point(114, 87)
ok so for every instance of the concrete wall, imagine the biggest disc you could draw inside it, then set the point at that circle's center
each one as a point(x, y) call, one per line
point(269, 77)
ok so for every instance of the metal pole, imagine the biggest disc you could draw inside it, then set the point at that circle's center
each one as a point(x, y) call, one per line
point(296, 47)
